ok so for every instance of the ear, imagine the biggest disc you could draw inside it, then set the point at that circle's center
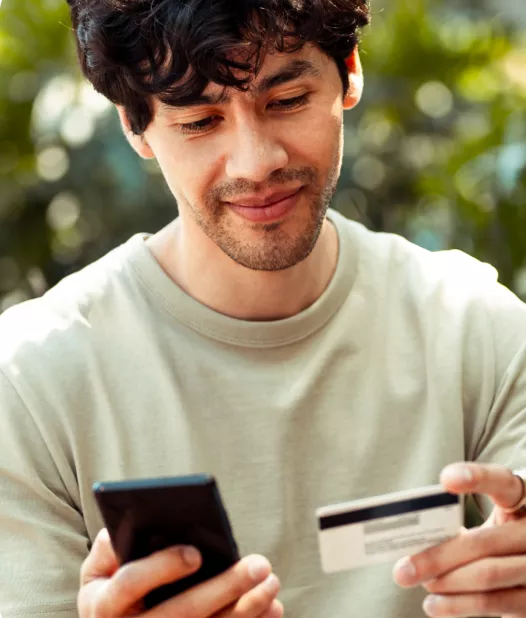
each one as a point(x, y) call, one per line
point(354, 93)
point(137, 142)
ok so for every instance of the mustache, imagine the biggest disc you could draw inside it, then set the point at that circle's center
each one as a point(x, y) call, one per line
point(229, 190)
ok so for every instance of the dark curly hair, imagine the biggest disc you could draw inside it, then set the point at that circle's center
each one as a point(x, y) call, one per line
point(131, 50)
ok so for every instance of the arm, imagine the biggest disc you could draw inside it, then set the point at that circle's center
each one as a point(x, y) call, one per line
point(43, 541)
point(47, 572)
point(482, 572)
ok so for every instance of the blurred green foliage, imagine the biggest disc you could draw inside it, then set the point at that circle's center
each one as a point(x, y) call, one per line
point(436, 151)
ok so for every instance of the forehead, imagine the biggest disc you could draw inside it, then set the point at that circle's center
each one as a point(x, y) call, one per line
point(272, 60)
point(277, 68)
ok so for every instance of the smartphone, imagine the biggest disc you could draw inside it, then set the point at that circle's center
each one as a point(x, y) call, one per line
point(147, 515)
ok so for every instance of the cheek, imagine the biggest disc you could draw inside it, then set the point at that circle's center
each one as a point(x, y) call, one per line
point(187, 168)
point(319, 138)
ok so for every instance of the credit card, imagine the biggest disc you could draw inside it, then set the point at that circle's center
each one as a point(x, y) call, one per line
point(387, 527)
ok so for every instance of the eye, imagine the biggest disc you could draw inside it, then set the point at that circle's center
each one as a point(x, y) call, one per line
point(199, 126)
point(287, 104)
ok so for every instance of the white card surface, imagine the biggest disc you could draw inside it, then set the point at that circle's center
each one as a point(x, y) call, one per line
point(386, 528)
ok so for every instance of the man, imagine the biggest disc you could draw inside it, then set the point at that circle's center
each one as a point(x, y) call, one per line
point(260, 337)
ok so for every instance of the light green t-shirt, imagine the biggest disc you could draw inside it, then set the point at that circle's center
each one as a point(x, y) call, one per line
point(409, 361)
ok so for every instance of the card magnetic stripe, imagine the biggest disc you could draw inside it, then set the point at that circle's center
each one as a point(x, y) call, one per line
point(387, 510)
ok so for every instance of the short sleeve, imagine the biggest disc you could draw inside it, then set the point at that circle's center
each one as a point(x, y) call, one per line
point(497, 424)
point(43, 540)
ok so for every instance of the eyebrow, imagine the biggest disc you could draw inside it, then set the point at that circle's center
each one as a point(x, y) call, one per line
point(293, 70)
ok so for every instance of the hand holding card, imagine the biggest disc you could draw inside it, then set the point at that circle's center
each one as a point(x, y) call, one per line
point(386, 528)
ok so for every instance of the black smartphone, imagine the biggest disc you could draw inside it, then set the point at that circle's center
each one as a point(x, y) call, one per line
point(147, 515)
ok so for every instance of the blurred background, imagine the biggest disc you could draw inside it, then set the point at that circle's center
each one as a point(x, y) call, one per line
point(436, 151)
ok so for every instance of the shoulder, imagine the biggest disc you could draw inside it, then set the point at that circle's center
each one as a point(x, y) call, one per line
point(401, 266)
point(51, 331)
point(444, 292)
point(441, 287)
point(390, 251)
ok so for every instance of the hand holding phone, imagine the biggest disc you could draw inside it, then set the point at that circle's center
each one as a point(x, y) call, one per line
point(168, 544)
point(246, 590)
point(147, 515)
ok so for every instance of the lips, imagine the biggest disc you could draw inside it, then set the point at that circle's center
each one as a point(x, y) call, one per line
point(264, 201)
point(272, 208)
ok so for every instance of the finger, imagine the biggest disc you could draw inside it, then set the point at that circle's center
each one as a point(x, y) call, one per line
point(482, 576)
point(497, 482)
point(101, 561)
point(218, 593)
point(276, 610)
point(475, 544)
point(257, 602)
point(133, 581)
point(473, 605)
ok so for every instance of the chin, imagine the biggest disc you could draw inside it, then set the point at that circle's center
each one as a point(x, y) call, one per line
point(284, 250)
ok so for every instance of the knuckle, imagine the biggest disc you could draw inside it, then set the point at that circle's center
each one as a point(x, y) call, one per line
point(482, 604)
point(432, 585)
point(480, 476)
point(519, 603)
point(101, 607)
point(489, 576)
point(427, 562)
point(190, 609)
point(480, 542)
point(125, 581)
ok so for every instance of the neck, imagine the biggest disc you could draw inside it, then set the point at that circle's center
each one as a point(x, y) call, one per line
point(215, 280)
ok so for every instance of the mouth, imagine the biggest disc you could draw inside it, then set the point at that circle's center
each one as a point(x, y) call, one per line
point(268, 208)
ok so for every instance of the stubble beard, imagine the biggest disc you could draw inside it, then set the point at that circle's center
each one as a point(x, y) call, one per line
point(278, 248)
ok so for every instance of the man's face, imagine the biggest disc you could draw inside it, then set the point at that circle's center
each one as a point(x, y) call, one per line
point(254, 172)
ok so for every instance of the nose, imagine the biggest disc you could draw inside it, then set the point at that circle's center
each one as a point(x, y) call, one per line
point(255, 154)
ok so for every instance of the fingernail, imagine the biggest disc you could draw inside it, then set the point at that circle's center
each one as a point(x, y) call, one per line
point(457, 473)
point(191, 556)
point(432, 603)
point(272, 584)
point(103, 535)
point(258, 568)
point(405, 570)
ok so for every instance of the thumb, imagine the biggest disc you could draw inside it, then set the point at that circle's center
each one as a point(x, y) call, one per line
point(101, 561)
point(501, 485)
